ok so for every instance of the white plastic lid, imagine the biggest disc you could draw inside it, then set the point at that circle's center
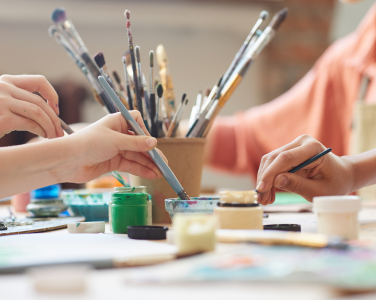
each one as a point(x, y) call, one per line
point(337, 204)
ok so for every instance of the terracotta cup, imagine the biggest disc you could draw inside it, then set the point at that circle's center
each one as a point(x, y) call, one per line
point(185, 158)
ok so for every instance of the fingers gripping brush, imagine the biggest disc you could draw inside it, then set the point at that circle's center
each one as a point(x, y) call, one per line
point(156, 157)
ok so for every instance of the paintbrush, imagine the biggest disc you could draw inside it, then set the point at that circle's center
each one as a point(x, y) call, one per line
point(61, 40)
point(234, 80)
point(262, 17)
point(168, 87)
point(145, 115)
point(153, 108)
point(101, 63)
point(208, 117)
point(129, 94)
point(123, 97)
point(137, 90)
point(67, 28)
point(307, 162)
point(159, 114)
point(172, 126)
point(206, 99)
point(179, 117)
point(154, 154)
point(196, 126)
point(94, 82)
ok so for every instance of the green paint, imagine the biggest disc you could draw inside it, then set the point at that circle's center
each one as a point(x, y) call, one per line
point(282, 198)
point(128, 209)
point(78, 224)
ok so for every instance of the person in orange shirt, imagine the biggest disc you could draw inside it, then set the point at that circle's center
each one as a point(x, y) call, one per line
point(321, 104)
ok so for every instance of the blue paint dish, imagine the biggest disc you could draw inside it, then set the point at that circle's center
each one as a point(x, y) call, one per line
point(90, 203)
point(197, 205)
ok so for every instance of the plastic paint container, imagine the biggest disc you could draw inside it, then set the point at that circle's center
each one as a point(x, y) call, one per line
point(48, 192)
point(239, 215)
point(129, 207)
point(239, 210)
point(92, 204)
point(338, 215)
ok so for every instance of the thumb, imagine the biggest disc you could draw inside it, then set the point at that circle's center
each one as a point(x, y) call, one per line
point(289, 182)
point(137, 143)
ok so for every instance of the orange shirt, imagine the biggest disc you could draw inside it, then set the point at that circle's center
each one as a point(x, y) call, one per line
point(320, 104)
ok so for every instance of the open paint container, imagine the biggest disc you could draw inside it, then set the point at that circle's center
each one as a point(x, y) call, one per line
point(197, 205)
point(90, 203)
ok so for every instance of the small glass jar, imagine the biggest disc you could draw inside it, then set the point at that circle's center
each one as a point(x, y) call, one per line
point(239, 215)
point(337, 215)
point(129, 206)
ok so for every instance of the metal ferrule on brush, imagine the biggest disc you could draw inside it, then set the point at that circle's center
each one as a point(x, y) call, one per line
point(70, 32)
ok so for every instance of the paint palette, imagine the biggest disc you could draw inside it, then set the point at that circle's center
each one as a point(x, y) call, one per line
point(197, 205)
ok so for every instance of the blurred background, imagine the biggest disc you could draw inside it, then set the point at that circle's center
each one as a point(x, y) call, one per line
point(201, 38)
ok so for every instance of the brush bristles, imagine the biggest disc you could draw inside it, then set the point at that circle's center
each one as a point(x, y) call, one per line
point(124, 60)
point(207, 92)
point(138, 55)
point(99, 59)
point(159, 90)
point(151, 58)
point(58, 15)
point(279, 18)
point(51, 30)
point(127, 14)
point(183, 98)
point(116, 76)
point(264, 15)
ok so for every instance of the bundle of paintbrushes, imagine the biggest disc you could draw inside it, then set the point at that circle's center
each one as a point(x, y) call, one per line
point(156, 102)
point(204, 113)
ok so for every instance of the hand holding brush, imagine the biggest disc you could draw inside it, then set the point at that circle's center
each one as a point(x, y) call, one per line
point(21, 110)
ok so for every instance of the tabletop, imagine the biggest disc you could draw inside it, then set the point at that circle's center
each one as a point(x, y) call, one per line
point(103, 284)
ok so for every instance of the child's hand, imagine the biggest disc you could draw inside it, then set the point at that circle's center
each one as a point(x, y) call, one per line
point(329, 175)
point(21, 110)
point(108, 145)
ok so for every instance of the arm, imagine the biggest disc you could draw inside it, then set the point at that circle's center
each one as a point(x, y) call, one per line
point(104, 146)
point(319, 105)
point(329, 175)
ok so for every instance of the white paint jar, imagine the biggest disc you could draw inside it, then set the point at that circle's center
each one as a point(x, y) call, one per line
point(239, 215)
point(337, 215)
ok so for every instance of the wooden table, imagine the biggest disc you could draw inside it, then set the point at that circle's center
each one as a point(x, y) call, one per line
point(111, 283)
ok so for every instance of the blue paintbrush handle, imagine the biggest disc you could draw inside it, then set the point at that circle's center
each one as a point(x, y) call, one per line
point(311, 160)
point(156, 157)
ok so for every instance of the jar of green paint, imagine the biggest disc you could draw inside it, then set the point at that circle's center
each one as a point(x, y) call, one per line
point(129, 207)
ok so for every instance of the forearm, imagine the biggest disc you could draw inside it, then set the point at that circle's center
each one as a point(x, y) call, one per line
point(31, 166)
point(364, 169)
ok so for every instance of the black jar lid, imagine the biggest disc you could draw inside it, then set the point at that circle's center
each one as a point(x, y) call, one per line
point(235, 204)
point(147, 232)
point(283, 227)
